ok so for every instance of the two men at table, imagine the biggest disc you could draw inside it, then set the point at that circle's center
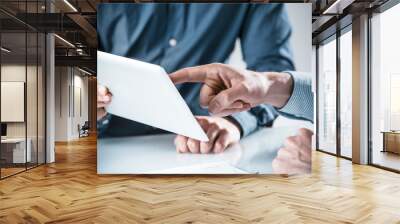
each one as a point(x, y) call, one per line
point(178, 36)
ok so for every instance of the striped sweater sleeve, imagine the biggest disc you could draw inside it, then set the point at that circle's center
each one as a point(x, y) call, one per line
point(301, 103)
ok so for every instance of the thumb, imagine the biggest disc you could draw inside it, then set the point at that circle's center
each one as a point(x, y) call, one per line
point(225, 99)
point(207, 94)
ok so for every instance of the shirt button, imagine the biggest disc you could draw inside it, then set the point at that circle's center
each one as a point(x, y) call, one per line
point(172, 42)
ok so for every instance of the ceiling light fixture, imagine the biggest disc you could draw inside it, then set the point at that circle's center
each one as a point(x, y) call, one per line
point(5, 50)
point(84, 71)
point(70, 5)
point(65, 41)
point(79, 51)
point(337, 7)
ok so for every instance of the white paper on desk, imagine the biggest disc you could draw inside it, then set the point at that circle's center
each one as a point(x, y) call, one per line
point(210, 168)
point(144, 93)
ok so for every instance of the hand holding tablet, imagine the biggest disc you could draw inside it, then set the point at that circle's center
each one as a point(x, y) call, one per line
point(144, 93)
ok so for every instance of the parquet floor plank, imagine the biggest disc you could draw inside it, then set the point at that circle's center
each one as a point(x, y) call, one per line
point(70, 191)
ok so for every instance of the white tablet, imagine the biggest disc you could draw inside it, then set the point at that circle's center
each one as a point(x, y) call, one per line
point(144, 93)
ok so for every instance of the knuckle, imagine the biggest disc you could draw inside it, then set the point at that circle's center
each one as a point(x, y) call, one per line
point(281, 153)
point(215, 104)
point(216, 64)
point(306, 132)
point(290, 140)
point(190, 143)
point(214, 126)
point(202, 122)
point(204, 148)
point(185, 70)
point(206, 120)
point(177, 140)
point(277, 165)
point(217, 147)
point(224, 97)
point(245, 86)
point(223, 133)
point(214, 68)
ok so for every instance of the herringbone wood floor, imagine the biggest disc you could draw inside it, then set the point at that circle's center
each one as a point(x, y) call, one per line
point(70, 191)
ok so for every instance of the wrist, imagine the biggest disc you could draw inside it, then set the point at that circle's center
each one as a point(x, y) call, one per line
point(280, 88)
point(101, 113)
point(236, 124)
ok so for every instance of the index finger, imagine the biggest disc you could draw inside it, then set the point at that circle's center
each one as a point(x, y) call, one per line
point(191, 74)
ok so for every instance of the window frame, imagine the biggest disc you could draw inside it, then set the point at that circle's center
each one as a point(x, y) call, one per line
point(371, 13)
point(31, 30)
point(334, 37)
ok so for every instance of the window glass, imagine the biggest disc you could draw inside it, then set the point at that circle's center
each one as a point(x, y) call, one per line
point(385, 85)
point(14, 150)
point(22, 90)
point(31, 97)
point(327, 97)
point(346, 94)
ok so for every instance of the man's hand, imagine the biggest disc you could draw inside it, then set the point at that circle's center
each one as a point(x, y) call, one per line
point(295, 156)
point(103, 99)
point(227, 90)
point(221, 134)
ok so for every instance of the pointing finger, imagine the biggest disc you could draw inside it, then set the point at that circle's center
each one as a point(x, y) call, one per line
point(191, 74)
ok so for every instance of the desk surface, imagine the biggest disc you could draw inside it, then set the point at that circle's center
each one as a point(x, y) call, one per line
point(156, 155)
point(391, 132)
point(13, 140)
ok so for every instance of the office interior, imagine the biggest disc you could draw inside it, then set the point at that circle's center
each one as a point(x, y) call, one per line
point(357, 82)
point(48, 93)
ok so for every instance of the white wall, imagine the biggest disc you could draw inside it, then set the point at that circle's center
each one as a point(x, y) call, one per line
point(80, 103)
point(18, 73)
point(82, 83)
point(61, 103)
point(70, 84)
point(301, 41)
point(34, 126)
